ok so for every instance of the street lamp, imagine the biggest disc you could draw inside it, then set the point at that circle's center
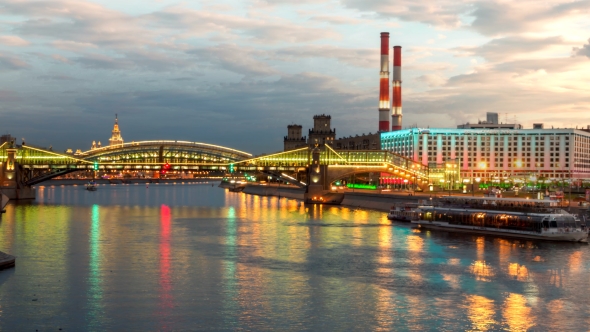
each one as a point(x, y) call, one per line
point(476, 180)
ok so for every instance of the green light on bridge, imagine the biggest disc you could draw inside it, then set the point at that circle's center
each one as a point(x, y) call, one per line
point(361, 186)
point(96, 165)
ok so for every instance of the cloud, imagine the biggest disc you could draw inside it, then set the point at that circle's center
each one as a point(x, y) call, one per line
point(493, 18)
point(70, 45)
point(9, 96)
point(443, 13)
point(502, 49)
point(13, 41)
point(260, 30)
point(432, 80)
point(240, 60)
point(8, 62)
point(338, 20)
point(57, 78)
point(359, 57)
point(60, 58)
point(584, 50)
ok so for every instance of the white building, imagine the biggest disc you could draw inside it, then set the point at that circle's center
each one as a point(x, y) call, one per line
point(497, 153)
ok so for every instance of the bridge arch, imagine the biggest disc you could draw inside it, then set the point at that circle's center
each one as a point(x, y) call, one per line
point(159, 152)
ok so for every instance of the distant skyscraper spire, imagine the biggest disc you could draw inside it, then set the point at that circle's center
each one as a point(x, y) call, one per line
point(116, 138)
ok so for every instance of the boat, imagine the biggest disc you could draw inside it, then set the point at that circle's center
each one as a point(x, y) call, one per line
point(509, 217)
point(406, 212)
point(3, 201)
point(91, 186)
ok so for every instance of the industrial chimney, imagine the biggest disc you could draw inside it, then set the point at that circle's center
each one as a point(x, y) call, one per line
point(384, 84)
point(396, 105)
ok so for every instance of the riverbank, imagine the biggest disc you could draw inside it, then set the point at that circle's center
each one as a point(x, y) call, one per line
point(6, 260)
point(363, 200)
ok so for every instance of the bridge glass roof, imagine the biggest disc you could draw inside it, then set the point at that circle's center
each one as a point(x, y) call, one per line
point(158, 152)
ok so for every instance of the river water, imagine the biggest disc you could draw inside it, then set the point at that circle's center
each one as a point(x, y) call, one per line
point(196, 257)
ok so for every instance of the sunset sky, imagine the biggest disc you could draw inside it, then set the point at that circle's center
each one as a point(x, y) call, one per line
point(236, 73)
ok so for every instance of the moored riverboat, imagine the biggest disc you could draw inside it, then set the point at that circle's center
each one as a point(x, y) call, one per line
point(510, 217)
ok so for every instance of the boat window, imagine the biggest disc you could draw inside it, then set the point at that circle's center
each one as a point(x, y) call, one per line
point(487, 219)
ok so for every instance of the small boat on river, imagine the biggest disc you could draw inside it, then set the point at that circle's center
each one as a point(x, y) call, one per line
point(510, 217)
point(91, 186)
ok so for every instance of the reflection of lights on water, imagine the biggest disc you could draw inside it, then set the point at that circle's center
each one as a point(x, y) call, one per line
point(516, 313)
point(481, 270)
point(452, 279)
point(454, 261)
point(518, 272)
point(415, 243)
point(481, 312)
point(575, 261)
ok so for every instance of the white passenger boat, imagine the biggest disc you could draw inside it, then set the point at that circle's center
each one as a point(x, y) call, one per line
point(510, 217)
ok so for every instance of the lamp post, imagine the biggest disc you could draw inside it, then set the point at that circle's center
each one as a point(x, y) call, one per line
point(477, 180)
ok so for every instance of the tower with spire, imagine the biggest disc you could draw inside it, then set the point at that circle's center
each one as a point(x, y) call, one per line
point(116, 138)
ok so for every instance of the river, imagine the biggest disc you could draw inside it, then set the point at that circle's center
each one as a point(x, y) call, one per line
point(195, 257)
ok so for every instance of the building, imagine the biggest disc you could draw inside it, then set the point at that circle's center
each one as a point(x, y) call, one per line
point(491, 122)
point(6, 138)
point(496, 154)
point(294, 140)
point(116, 138)
point(321, 132)
point(358, 142)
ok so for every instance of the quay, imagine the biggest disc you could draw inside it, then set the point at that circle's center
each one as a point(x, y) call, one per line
point(6, 261)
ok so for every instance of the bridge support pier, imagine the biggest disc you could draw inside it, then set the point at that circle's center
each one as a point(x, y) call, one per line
point(11, 183)
point(318, 187)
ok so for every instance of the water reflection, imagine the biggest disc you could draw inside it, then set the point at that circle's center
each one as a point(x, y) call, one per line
point(95, 292)
point(197, 257)
point(165, 289)
point(517, 314)
point(481, 312)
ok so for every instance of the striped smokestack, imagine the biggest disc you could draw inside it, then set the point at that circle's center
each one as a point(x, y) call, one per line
point(384, 84)
point(396, 105)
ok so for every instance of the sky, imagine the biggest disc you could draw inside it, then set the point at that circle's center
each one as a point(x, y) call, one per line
point(236, 73)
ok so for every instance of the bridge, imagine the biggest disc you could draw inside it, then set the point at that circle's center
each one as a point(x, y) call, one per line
point(341, 163)
point(24, 166)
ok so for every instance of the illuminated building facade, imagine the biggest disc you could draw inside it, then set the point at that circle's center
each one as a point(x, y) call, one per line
point(495, 154)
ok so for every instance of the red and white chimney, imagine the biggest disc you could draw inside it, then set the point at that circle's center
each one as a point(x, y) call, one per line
point(396, 105)
point(384, 84)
